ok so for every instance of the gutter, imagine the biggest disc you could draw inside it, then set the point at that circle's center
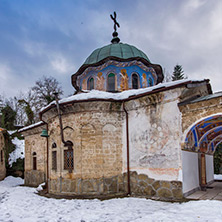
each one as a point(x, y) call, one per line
point(127, 149)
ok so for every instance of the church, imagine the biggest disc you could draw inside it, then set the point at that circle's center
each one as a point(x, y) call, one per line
point(124, 131)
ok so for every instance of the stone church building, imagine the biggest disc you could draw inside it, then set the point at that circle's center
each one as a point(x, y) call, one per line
point(125, 132)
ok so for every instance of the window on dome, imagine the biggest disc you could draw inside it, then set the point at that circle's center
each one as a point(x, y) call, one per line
point(111, 83)
point(150, 82)
point(90, 84)
point(135, 81)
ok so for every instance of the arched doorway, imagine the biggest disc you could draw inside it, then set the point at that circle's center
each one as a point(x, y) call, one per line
point(201, 141)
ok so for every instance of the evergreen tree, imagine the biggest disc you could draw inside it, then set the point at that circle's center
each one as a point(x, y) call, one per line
point(8, 118)
point(28, 111)
point(178, 73)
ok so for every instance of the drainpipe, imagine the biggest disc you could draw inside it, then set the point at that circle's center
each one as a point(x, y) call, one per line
point(47, 159)
point(127, 148)
point(60, 119)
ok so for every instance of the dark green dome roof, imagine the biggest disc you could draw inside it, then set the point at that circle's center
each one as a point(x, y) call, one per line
point(119, 50)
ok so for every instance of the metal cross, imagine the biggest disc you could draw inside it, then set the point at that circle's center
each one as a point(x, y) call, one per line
point(115, 22)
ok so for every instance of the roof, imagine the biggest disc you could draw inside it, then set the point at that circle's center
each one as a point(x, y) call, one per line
point(95, 95)
point(118, 50)
point(40, 123)
point(202, 98)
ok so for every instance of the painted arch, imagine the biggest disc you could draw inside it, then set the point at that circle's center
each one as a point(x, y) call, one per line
point(205, 135)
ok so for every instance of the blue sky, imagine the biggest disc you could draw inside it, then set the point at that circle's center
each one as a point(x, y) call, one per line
point(54, 37)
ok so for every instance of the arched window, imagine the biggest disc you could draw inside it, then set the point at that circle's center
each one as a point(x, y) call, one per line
point(90, 84)
point(135, 81)
point(111, 83)
point(34, 161)
point(1, 156)
point(150, 82)
point(68, 157)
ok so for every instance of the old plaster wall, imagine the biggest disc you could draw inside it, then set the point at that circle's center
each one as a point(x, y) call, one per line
point(95, 130)
point(155, 131)
point(2, 156)
point(209, 168)
point(190, 171)
point(34, 143)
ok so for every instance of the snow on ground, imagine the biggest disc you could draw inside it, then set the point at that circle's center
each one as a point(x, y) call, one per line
point(218, 176)
point(19, 203)
point(19, 151)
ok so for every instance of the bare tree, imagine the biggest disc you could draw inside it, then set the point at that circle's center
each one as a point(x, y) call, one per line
point(42, 92)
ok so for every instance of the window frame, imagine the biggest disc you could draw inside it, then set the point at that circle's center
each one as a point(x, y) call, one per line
point(138, 80)
point(107, 88)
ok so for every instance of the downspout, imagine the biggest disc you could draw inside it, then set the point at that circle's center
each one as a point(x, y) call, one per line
point(66, 143)
point(60, 119)
point(47, 160)
point(127, 148)
point(47, 157)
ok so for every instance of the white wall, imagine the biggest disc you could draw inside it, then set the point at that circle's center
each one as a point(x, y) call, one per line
point(210, 167)
point(190, 171)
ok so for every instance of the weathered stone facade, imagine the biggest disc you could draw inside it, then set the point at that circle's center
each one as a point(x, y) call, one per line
point(35, 147)
point(2, 154)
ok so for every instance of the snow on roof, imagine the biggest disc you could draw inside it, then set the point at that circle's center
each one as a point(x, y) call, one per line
point(95, 94)
point(31, 126)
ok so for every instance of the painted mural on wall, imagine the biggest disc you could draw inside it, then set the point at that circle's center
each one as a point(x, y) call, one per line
point(205, 136)
point(126, 75)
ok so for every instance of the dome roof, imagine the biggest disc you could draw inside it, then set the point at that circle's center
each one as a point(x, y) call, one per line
point(118, 50)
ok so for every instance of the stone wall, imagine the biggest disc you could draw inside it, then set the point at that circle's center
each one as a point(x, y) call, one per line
point(95, 130)
point(2, 155)
point(35, 144)
point(141, 185)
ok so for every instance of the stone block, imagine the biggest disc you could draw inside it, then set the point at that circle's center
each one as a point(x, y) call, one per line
point(149, 191)
point(150, 181)
point(166, 184)
point(176, 184)
point(142, 177)
point(156, 185)
point(164, 193)
point(142, 184)
point(177, 194)
point(87, 187)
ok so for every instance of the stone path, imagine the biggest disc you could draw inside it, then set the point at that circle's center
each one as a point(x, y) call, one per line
point(213, 192)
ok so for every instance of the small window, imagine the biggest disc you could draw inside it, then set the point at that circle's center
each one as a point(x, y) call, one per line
point(54, 145)
point(150, 82)
point(54, 160)
point(68, 159)
point(111, 83)
point(90, 84)
point(135, 81)
point(34, 163)
point(1, 156)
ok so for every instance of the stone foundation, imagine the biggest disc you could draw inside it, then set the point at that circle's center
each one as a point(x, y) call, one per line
point(141, 185)
point(34, 178)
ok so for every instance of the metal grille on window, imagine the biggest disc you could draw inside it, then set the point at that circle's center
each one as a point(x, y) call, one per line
point(68, 159)
point(54, 160)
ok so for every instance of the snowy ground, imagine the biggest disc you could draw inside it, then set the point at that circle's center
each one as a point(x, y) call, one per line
point(19, 151)
point(22, 204)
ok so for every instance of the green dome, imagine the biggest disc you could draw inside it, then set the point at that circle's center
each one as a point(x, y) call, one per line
point(119, 50)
